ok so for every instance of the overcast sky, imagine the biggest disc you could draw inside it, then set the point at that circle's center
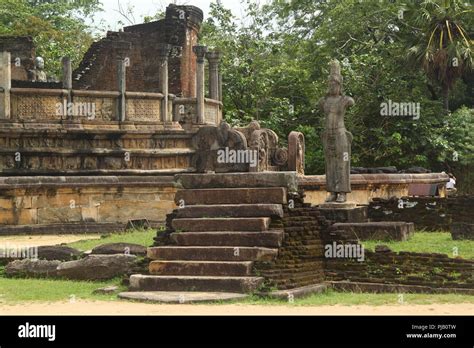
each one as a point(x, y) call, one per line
point(110, 17)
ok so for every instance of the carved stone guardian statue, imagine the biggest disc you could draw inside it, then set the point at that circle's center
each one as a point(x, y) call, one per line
point(336, 139)
point(38, 74)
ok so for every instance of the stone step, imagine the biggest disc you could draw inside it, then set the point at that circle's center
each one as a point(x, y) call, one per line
point(181, 297)
point(252, 239)
point(382, 230)
point(267, 195)
point(203, 253)
point(231, 210)
point(238, 180)
point(140, 282)
point(201, 268)
point(221, 224)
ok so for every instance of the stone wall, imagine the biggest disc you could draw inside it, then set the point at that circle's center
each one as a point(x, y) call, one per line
point(367, 187)
point(22, 51)
point(299, 262)
point(36, 151)
point(429, 213)
point(66, 200)
point(140, 44)
point(407, 268)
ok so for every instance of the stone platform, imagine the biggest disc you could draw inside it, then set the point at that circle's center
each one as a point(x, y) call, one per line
point(71, 202)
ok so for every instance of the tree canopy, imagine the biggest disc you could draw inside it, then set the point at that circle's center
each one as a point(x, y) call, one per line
point(276, 66)
point(57, 27)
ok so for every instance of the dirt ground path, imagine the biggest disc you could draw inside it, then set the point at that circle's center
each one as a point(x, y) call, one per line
point(132, 308)
point(32, 241)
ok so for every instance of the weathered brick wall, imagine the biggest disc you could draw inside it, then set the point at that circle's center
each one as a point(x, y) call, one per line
point(407, 268)
point(180, 28)
point(430, 213)
point(299, 262)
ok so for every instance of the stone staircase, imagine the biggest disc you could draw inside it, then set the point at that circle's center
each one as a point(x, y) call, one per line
point(217, 236)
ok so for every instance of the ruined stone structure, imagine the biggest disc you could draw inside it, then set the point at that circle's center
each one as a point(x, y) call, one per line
point(132, 134)
point(23, 54)
point(140, 45)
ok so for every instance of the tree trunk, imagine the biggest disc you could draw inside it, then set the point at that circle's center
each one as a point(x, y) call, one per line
point(446, 98)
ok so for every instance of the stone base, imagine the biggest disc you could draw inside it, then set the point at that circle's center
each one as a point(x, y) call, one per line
point(355, 214)
point(335, 205)
point(180, 296)
point(296, 292)
point(384, 231)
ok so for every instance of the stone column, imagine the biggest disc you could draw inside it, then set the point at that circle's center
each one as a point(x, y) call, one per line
point(221, 97)
point(5, 84)
point(163, 54)
point(213, 58)
point(200, 52)
point(67, 73)
point(121, 78)
point(67, 77)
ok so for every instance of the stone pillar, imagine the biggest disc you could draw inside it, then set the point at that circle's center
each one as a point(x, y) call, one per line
point(221, 97)
point(121, 78)
point(213, 58)
point(5, 84)
point(67, 73)
point(200, 52)
point(67, 77)
point(163, 54)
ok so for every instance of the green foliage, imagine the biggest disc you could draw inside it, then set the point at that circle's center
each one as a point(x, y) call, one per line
point(276, 66)
point(57, 27)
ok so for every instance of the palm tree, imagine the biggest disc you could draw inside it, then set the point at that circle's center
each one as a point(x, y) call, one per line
point(444, 49)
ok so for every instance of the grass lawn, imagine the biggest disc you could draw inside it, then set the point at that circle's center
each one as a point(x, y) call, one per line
point(13, 290)
point(141, 237)
point(45, 290)
point(331, 297)
point(16, 291)
point(430, 242)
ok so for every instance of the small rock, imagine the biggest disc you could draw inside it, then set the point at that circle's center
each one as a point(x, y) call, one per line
point(107, 290)
point(98, 267)
point(382, 249)
point(58, 252)
point(32, 268)
point(119, 248)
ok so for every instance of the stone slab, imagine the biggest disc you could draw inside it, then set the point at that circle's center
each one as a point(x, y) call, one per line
point(181, 297)
point(221, 224)
point(200, 253)
point(335, 205)
point(194, 283)
point(270, 195)
point(384, 230)
point(358, 214)
point(252, 239)
point(231, 210)
point(296, 292)
point(239, 180)
point(201, 268)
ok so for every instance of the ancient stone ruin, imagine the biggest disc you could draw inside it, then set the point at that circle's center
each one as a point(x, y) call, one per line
point(133, 135)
